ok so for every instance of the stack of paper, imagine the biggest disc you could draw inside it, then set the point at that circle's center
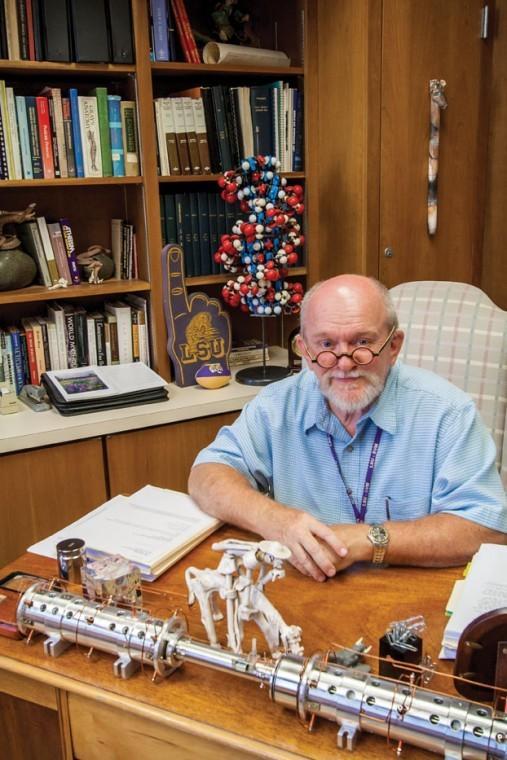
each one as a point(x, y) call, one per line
point(153, 528)
point(484, 589)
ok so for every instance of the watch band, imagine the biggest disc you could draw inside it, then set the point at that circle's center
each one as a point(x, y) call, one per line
point(379, 552)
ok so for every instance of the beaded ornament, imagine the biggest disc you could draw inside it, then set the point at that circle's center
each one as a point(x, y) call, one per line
point(263, 246)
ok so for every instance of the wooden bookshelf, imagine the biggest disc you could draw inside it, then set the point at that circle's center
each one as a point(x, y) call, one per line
point(91, 203)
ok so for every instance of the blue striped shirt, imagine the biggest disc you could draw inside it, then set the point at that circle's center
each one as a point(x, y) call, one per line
point(435, 454)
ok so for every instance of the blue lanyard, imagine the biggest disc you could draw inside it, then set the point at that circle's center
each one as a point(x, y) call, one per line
point(360, 514)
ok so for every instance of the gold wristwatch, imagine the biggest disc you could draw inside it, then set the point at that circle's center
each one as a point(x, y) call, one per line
point(379, 537)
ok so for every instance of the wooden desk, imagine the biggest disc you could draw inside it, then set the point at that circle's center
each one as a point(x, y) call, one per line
point(197, 712)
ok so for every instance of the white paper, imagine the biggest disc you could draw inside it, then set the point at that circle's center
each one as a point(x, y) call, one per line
point(484, 589)
point(147, 528)
point(219, 52)
point(104, 381)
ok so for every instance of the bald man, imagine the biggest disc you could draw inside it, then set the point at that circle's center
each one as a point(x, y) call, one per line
point(358, 457)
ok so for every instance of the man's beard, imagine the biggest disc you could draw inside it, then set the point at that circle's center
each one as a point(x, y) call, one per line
point(352, 400)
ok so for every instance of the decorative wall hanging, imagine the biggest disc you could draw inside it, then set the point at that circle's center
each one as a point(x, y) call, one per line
point(438, 103)
point(198, 330)
point(261, 248)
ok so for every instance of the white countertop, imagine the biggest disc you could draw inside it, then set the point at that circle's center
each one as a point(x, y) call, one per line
point(28, 429)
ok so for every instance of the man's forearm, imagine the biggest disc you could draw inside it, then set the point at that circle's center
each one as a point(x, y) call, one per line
point(226, 494)
point(434, 541)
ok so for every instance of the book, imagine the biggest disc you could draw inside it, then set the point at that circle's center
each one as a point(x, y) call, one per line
point(81, 336)
point(159, 27)
point(115, 135)
point(130, 139)
point(22, 30)
point(30, 348)
point(140, 305)
point(185, 34)
point(120, 30)
point(59, 250)
point(70, 248)
point(181, 135)
point(218, 100)
point(12, 30)
point(55, 30)
point(169, 131)
point(190, 129)
point(68, 137)
point(14, 335)
point(45, 137)
point(204, 233)
point(117, 245)
point(29, 234)
point(56, 315)
point(54, 95)
point(77, 142)
point(91, 340)
point(484, 589)
point(90, 135)
point(153, 528)
point(100, 344)
point(121, 311)
point(163, 160)
point(6, 129)
point(100, 93)
point(37, 29)
point(13, 126)
point(262, 121)
point(201, 134)
point(30, 30)
point(33, 130)
point(89, 31)
point(48, 249)
point(24, 137)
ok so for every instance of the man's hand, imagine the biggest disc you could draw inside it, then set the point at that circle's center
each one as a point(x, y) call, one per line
point(316, 548)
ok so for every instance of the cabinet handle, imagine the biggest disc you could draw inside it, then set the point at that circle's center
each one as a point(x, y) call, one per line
point(388, 252)
point(437, 103)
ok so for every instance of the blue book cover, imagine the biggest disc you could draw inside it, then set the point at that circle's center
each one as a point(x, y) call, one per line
point(17, 357)
point(160, 30)
point(24, 137)
point(76, 132)
point(114, 111)
point(262, 119)
point(33, 129)
point(171, 230)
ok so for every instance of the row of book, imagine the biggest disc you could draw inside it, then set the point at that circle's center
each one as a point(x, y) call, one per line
point(69, 336)
point(85, 31)
point(196, 221)
point(211, 129)
point(52, 247)
point(169, 26)
point(50, 135)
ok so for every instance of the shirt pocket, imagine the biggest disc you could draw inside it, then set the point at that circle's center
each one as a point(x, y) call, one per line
point(407, 509)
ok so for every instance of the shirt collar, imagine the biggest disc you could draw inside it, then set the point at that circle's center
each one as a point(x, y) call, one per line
point(382, 413)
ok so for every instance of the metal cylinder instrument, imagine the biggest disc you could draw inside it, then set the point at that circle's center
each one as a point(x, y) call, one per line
point(354, 699)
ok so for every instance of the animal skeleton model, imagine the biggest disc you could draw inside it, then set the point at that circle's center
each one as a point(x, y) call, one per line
point(351, 698)
point(233, 580)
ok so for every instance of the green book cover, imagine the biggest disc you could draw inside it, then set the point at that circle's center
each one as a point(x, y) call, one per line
point(105, 140)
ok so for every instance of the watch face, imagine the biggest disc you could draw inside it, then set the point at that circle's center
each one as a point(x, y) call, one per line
point(379, 534)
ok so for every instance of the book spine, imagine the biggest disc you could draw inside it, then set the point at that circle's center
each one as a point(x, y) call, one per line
point(33, 129)
point(190, 129)
point(55, 236)
point(185, 47)
point(4, 166)
point(4, 52)
point(129, 135)
point(120, 29)
point(22, 30)
point(60, 135)
point(11, 23)
point(135, 335)
point(17, 354)
point(160, 30)
point(30, 30)
point(222, 131)
point(39, 347)
point(4, 110)
point(202, 137)
point(67, 132)
point(54, 352)
point(181, 135)
point(163, 160)
point(81, 334)
point(76, 132)
point(24, 137)
point(71, 339)
point(183, 26)
point(70, 249)
point(105, 140)
point(44, 343)
point(115, 135)
point(7, 361)
point(91, 341)
point(167, 119)
point(204, 239)
point(54, 141)
point(45, 137)
point(32, 243)
point(89, 125)
point(100, 339)
point(48, 250)
point(13, 125)
point(37, 30)
point(30, 349)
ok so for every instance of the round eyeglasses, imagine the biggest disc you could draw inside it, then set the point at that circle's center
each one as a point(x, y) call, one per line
point(360, 355)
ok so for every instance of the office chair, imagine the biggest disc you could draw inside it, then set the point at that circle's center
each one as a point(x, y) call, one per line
point(455, 330)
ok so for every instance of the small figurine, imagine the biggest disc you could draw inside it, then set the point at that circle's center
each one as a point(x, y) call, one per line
point(245, 600)
point(96, 260)
point(232, 24)
point(8, 242)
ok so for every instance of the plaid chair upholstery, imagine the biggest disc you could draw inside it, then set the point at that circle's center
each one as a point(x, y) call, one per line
point(455, 330)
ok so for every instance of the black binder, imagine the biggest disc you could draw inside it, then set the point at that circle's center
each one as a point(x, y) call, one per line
point(120, 31)
point(55, 30)
point(84, 406)
point(89, 31)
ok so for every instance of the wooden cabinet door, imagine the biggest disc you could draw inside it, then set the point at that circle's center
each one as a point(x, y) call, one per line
point(423, 40)
point(161, 456)
point(45, 489)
